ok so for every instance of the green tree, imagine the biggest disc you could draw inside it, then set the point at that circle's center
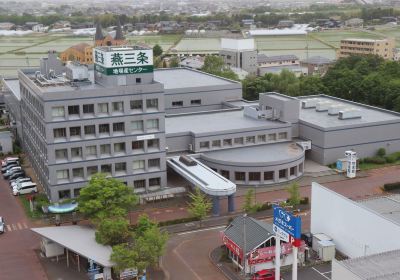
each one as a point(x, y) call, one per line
point(112, 231)
point(157, 50)
point(174, 62)
point(200, 205)
point(294, 194)
point(249, 203)
point(105, 198)
point(215, 65)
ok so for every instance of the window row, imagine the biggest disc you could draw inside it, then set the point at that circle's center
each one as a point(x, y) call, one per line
point(180, 103)
point(102, 108)
point(104, 150)
point(105, 129)
point(243, 140)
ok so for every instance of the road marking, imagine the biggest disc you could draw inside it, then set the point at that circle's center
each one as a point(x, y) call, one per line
point(19, 226)
point(9, 228)
point(25, 226)
point(175, 251)
point(322, 274)
point(14, 227)
point(200, 230)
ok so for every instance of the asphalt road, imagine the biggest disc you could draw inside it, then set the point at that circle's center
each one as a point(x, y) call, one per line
point(17, 257)
point(319, 272)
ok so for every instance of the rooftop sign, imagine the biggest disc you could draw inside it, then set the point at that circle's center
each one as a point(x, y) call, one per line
point(123, 61)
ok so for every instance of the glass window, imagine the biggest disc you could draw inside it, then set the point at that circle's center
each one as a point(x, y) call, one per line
point(118, 107)
point(216, 143)
point(77, 192)
point(62, 154)
point(104, 128)
point(225, 173)
point(90, 129)
point(76, 152)
point(177, 103)
point(272, 137)
point(73, 110)
point(227, 142)
point(119, 127)
point(106, 169)
point(62, 174)
point(282, 173)
point(138, 184)
point(205, 145)
point(154, 182)
point(65, 194)
point(58, 111)
point(238, 141)
point(75, 131)
point(119, 147)
point(138, 145)
point(195, 102)
point(282, 135)
point(136, 104)
point(292, 171)
point(59, 133)
point(120, 167)
point(254, 176)
point(105, 149)
point(154, 162)
point(102, 108)
point(262, 138)
point(240, 176)
point(91, 170)
point(250, 139)
point(91, 151)
point(269, 175)
point(138, 165)
point(88, 108)
point(138, 80)
point(152, 103)
point(152, 124)
point(137, 125)
point(153, 144)
point(77, 172)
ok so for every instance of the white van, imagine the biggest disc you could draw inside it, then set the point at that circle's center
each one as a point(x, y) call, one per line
point(25, 188)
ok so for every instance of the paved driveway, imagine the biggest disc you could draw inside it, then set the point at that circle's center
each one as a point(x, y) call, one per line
point(319, 272)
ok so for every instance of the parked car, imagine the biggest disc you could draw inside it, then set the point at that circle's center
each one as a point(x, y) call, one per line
point(11, 171)
point(8, 160)
point(2, 225)
point(16, 175)
point(4, 169)
point(265, 274)
point(25, 188)
point(20, 180)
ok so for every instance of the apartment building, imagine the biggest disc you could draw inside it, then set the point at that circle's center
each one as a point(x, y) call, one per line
point(384, 48)
point(239, 53)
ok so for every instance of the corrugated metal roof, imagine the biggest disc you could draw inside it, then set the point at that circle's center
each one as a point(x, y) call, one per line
point(262, 58)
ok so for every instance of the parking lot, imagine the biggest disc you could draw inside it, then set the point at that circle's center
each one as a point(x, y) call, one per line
point(318, 272)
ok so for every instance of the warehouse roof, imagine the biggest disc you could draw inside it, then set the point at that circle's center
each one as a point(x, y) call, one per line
point(262, 58)
point(383, 266)
point(318, 60)
point(387, 206)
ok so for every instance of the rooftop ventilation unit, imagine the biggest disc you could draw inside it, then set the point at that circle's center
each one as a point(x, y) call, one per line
point(309, 103)
point(188, 161)
point(335, 109)
point(350, 113)
point(323, 106)
point(77, 72)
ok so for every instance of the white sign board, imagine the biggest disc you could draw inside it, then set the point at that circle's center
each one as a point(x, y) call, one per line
point(145, 137)
point(284, 236)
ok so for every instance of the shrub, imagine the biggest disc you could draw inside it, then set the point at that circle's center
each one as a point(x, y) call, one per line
point(265, 206)
point(391, 186)
point(177, 221)
point(381, 152)
point(304, 200)
point(396, 155)
point(391, 158)
point(376, 160)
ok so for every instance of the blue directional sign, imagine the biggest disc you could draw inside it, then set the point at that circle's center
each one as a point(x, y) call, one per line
point(287, 222)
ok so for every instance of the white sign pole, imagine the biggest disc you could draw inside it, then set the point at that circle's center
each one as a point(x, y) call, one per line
point(278, 258)
point(294, 267)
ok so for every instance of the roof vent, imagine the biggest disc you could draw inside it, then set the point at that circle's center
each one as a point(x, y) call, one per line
point(188, 161)
point(323, 106)
point(350, 113)
point(335, 109)
point(309, 103)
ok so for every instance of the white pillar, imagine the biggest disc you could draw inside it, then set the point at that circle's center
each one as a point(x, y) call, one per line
point(278, 258)
point(294, 268)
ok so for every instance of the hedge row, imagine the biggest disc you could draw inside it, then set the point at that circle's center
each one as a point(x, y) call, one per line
point(178, 221)
point(391, 186)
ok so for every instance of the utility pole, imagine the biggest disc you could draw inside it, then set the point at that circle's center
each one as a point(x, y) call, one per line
point(244, 245)
point(277, 257)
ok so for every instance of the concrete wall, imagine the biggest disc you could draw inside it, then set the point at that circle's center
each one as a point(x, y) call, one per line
point(339, 272)
point(6, 142)
point(355, 230)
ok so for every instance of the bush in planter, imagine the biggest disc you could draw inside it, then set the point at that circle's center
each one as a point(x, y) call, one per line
point(304, 201)
point(376, 160)
point(391, 186)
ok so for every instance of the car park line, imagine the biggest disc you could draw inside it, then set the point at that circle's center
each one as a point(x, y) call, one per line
point(321, 273)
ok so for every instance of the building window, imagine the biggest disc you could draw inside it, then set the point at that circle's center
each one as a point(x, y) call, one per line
point(272, 137)
point(225, 173)
point(136, 104)
point(152, 124)
point(119, 127)
point(250, 139)
point(154, 182)
point(75, 131)
point(292, 171)
point(90, 130)
point(91, 170)
point(282, 173)
point(282, 135)
point(65, 194)
point(73, 110)
point(177, 103)
point(76, 152)
point(91, 151)
point(61, 154)
point(102, 108)
point(138, 80)
point(62, 174)
point(59, 133)
point(77, 192)
point(138, 165)
point(254, 176)
point(119, 147)
point(154, 163)
point(262, 138)
point(216, 143)
point(137, 126)
point(104, 128)
point(268, 175)
point(58, 112)
point(120, 167)
point(88, 109)
point(152, 103)
point(153, 144)
point(77, 173)
point(105, 149)
point(118, 107)
point(139, 184)
point(205, 145)
point(238, 141)
point(106, 169)
point(138, 145)
point(240, 176)
point(195, 102)
point(227, 142)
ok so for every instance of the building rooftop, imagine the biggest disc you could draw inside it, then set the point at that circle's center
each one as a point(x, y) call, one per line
point(187, 78)
point(318, 60)
point(363, 40)
point(210, 122)
point(369, 114)
point(262, 58)
point(387, 206)
point(383, 266)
